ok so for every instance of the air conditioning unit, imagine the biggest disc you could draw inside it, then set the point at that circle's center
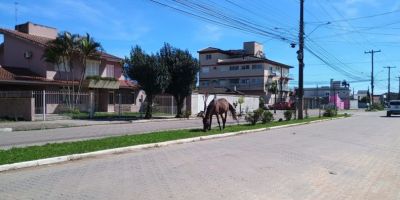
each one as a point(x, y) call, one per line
point(28, 54)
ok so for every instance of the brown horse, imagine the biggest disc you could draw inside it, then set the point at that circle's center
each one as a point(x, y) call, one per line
point(219, 107)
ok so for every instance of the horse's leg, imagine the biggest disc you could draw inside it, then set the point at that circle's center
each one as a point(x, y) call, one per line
point(224, 122)
point(209, 128)
point(219, 124)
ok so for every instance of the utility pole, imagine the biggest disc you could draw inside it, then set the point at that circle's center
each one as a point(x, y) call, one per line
point(398, 95)
point(388, 93)
point(300, 57)
point(372, 52)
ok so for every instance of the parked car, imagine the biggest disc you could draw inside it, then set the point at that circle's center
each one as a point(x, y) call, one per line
point(394, 108)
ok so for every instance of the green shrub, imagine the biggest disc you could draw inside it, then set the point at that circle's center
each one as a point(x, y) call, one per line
point(330, 112)
point(375, 107)
point(267, 117)
point(288, 115)
point(254, 117)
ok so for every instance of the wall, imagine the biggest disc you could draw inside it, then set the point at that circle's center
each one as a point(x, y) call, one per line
point(250, 102)
point(17, 108)
point(14, 50)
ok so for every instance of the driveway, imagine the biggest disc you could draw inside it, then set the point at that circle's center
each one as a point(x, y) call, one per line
point(352, 158)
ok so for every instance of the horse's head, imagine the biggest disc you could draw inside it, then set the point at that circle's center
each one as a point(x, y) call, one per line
point(206, 124)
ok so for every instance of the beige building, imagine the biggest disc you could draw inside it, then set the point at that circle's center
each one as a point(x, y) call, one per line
point(245, 70)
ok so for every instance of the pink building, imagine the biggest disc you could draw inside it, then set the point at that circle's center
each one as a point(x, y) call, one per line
point(22, 68)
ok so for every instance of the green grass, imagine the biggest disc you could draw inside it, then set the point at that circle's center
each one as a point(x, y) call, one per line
point(112, 115)
point(21, 154)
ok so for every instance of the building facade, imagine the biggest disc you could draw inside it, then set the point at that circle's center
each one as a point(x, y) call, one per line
point(245, 70)
point(23, 68)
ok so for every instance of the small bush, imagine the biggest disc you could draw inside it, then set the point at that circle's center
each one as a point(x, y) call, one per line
point(330, 112)
point(376, 106)
point(267, 117)
point(288, 115)
point(254, 117)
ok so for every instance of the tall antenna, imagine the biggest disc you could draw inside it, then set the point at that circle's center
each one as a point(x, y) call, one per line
point(16, 12)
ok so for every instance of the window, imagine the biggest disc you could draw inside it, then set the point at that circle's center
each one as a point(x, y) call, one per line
point(245, 67)
point(234, 81)
point(205, 83)
point(109, 71)
point(244, 81)
point(92, 68)
point(62, 67)
point(208, 57)
point(223, 82)
point(205, 69)
point(233, 68)
point(258, 66)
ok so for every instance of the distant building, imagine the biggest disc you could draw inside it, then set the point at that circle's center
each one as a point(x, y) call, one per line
point(246, 70)
point(335, 94)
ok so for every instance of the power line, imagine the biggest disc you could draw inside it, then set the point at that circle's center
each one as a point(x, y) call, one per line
point(359, 18)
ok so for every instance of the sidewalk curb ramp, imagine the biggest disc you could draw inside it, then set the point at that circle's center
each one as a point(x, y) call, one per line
point(60, 159)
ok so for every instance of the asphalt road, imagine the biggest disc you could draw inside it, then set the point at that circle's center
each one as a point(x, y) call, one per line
point(352, 158)
point(39, 137)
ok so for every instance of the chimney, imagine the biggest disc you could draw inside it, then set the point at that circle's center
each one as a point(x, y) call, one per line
point(253, 49)
point(37, 30)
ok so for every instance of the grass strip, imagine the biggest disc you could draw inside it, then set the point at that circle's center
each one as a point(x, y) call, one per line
point(20, 154)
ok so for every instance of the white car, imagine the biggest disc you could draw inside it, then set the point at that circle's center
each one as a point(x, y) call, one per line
point(394, 108)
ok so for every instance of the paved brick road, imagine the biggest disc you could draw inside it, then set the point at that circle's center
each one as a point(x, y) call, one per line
point(354, 158)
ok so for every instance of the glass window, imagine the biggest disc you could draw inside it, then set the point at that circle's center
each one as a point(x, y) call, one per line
point(111, 98)
point(233, 68)
point(245, 67)
point(257, 66)
point(395, 103)
point(109, 70)
point(244, 81)
point(92, 68)
point(62, 67)
point(208, 57)
point(234, 81)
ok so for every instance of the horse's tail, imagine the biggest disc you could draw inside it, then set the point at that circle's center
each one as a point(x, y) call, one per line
point(233, 111)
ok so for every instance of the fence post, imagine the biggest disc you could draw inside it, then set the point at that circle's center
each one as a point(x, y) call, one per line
point(172, 105)
point(91, 104)
point(44, 105)
point(119, 104)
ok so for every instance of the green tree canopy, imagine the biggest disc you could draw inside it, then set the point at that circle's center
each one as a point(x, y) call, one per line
point(151, 75)
point(182, 69)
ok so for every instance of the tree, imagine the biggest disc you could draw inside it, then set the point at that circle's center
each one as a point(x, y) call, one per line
point(87, 48)
point(273, 88)
point(61, 51)
point(182, 69)
point(149, 73)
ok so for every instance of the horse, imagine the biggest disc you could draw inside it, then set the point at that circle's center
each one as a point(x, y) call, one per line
point(219, 107)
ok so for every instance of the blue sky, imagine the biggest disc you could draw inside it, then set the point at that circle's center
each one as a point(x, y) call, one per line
point(120, 24)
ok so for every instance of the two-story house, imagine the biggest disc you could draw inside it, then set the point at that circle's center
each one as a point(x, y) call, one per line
point(245, 70)
point(23, 68)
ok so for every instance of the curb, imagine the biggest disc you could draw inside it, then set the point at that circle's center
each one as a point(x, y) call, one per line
point(161, 120)
point(6, 129)
point(60, 159)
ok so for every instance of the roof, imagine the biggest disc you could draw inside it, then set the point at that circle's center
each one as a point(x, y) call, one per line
point(250, 59)
point(219, 90)
point(43, 41)
point(128, 84)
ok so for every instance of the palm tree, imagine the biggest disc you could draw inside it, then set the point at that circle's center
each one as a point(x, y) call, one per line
point(273, 88)
point(87, 48)
point(61, 51)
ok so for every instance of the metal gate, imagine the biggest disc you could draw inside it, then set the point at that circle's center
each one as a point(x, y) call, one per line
point(46, 101)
